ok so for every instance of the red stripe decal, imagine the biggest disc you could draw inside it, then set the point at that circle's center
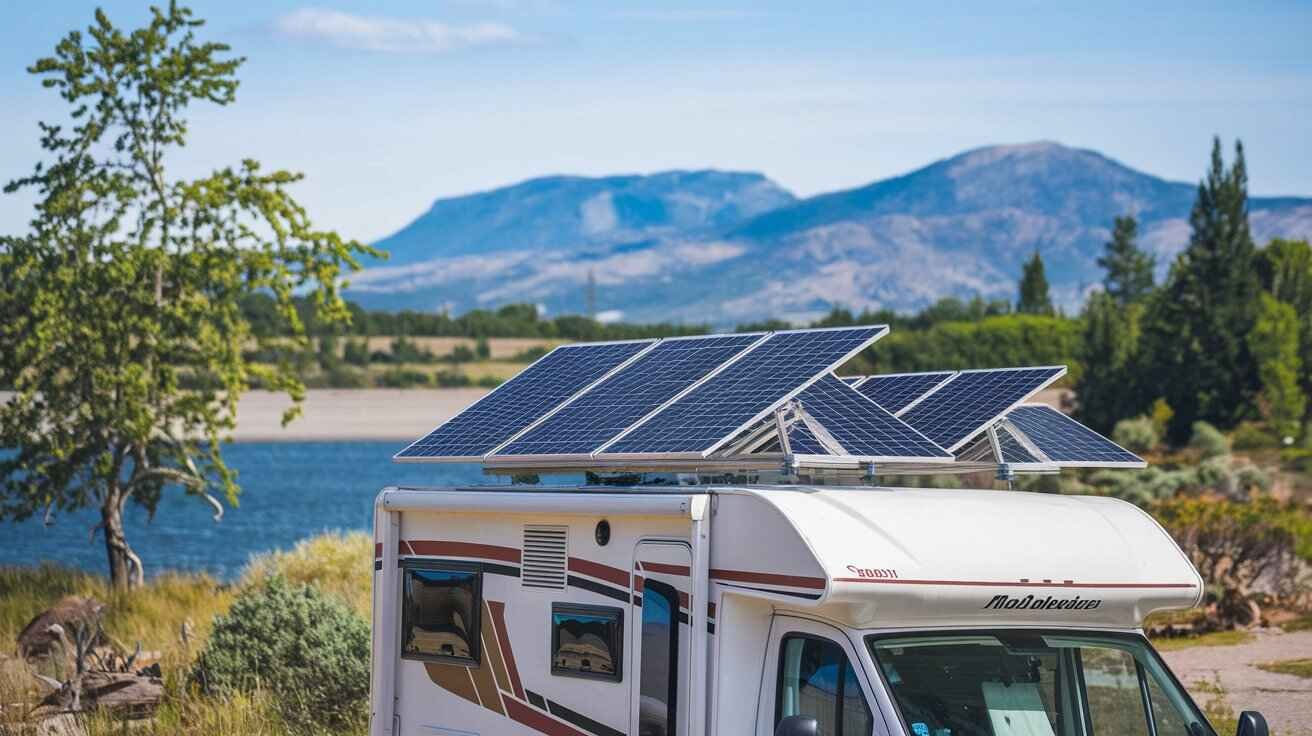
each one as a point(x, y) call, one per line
point(444, 548)
point(667, 569)
point(637, 583)
point(683, 599)
point(599, 571)
point(538, 721)
point(710, 610)
point(498, 609)
point(378, 550)
point(795, 581)
point(1008, 584)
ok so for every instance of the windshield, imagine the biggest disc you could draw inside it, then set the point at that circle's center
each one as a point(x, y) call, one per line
point(1033, 683)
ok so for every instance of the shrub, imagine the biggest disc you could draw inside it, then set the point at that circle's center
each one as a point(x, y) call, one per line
point(356, 352)
point(1253, 436)
point(311, 651)
point(403, 378)
point(531, 354)
point(1208, 440)
point(462, 354)
point(482, 349)
point(452, 379)
point(1136, 435)
point(489, 382)
point(343, 377)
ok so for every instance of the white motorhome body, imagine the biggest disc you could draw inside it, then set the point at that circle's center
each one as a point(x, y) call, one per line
point(724, 609)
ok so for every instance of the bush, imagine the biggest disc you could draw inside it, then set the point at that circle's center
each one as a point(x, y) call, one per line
point(356, 352)
point(531, 354)
point(1208, 440)
point(1136, 435)
point(403, 378)
point(482, 349)
point(1253, 436)
point(311, 651)
point(452, 379)
point(343, 377)
point(462, 354)
point(489, 382)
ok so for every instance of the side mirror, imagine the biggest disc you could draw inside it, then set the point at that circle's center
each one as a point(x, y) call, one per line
point(808, 726)
point(1251, 723)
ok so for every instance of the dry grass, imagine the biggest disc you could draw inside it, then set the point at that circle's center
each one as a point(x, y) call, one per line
point(1296, 667)
point(339, 564)
point(1214, 639)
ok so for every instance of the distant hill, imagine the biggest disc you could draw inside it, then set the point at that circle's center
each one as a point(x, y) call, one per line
point(724, 247)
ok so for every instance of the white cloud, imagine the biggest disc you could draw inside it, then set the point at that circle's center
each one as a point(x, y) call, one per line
point(397, 35)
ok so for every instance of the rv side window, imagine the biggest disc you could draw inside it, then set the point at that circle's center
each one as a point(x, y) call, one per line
point(586, 641)
point(440, 612)
point(817, 680)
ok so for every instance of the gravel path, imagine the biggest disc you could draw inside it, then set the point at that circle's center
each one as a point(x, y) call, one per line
point(1285, 700)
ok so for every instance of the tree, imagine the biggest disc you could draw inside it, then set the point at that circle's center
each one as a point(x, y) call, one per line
point(1285, 268)
point(121, 310)
point(1129, 277)
point(1195, 331)
point(1108, 385)
point(1274, 344)
point(1034, 297)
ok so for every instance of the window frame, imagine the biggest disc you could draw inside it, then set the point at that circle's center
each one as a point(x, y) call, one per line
point(840, 679)
point(672, 661)
point(584, 609)
point(475, 631)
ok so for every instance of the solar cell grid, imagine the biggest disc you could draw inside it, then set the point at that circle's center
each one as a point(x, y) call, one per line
point(861, 426)
point(743, 392)
point(1065, 440)
point(896, 392)
point(1012, 450)
point(627, 396)
point(965, 405)
point(520, 401)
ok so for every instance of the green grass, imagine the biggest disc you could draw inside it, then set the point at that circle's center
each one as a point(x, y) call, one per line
point(339, 564)
point(1298, 624)
point(1296, 667)
point(1214, 639)
point(1215, 707)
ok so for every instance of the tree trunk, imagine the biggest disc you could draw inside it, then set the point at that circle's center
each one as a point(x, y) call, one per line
point(125, 570)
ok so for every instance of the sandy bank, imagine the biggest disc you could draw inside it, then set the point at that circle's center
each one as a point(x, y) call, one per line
point(350, 414)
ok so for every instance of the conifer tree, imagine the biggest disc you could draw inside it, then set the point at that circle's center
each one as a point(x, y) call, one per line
point(1108, 388)
point(1129, 277)
point(1034, 296)
point(1274, 343)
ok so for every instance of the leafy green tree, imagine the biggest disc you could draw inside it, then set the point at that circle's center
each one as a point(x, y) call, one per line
point(122, 324)
point(1195, 331)
point(1109, 351)
point(1285, 267)
point(1129, 277)
point(1034, 296)
point(1274, 344)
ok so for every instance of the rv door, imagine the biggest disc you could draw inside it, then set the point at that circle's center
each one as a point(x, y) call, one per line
point(661, 639)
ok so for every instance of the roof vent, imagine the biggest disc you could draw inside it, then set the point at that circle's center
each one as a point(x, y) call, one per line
point(546, 549)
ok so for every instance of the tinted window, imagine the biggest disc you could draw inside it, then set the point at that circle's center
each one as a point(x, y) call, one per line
point(586, 641)
point(816, 679)
point(658, 684)
point(440, 614)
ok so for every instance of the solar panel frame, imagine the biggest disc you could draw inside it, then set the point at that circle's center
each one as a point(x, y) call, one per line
point(876, 332)
point(1057, 371)
point(407, 456)
point(501, 454)
point(868, 386)
point(1059, 451)
point(857, 430)
point(853, 381)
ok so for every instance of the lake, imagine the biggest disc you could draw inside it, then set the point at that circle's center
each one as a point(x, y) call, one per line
point(290, 491)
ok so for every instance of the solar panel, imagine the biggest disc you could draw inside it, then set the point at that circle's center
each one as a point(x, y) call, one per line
point(970, 401)
point(861, 426)
point(1066, 441)
point(852, 381)
point(896, 391)
point(517, 403)
point(745, 391)
point(627, 396)
point(1013, 452)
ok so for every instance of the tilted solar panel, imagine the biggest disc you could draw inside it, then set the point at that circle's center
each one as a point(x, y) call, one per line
point(852, 381)
point(970, 401)
point(896, 391)
point(517, 403)
point(1066, 441)
point(1013, 452)
point(862, 427)
point(744, 392)
point(625, 397)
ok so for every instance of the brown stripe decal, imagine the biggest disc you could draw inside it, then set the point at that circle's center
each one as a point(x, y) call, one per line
point(442, 548)
point(453, 678)
point(484, 681)
point(661, 567)
point(1022, 584)
point(498, 610)
point(492, 650)
point(378, 550)
point(792, 581)
point(599, 571)
point(539, 722)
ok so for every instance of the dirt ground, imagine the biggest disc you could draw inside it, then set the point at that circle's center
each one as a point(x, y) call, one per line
point(1285, 700)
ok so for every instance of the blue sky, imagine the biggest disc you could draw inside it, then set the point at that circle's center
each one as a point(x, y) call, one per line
point(388, 105)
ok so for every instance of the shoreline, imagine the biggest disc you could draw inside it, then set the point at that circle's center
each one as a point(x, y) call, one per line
point(342, 415)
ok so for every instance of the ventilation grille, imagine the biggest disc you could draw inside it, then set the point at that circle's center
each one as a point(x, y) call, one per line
point(546, 549)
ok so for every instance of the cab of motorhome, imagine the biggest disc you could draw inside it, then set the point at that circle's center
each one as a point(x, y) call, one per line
point(733, 561)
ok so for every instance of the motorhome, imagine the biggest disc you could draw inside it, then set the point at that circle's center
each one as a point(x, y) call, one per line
point(732, 565)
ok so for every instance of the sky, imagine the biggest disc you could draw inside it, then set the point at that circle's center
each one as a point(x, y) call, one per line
point(386, 106)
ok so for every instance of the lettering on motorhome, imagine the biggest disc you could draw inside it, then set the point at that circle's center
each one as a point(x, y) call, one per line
point(873, 572)
point(1047, 603)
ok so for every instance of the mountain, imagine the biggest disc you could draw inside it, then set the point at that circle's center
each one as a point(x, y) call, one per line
point(724, 247)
